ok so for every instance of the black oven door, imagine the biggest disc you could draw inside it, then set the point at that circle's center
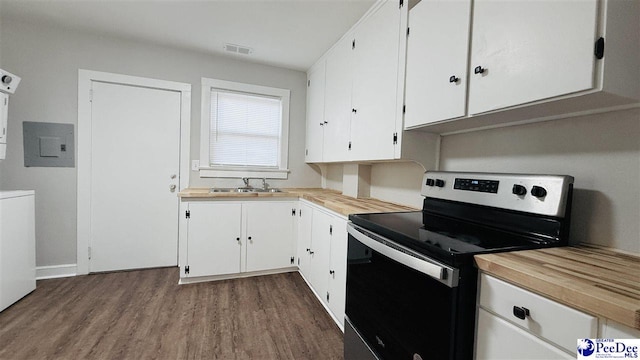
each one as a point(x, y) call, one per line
point(400, 303)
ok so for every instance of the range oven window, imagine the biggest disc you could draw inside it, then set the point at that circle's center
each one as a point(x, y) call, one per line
point(400, 312)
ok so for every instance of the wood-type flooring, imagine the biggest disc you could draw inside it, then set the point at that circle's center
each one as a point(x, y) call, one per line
point(145, 314)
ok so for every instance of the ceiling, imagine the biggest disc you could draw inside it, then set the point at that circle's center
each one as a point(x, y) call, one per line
point(286, 33)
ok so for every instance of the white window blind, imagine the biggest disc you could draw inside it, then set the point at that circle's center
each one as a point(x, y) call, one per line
point(245, 130)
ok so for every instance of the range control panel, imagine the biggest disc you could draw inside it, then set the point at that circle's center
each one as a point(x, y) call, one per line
point(539, 194)
point(490, 186)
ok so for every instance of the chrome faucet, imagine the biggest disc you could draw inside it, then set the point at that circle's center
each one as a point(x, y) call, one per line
point(246, 182)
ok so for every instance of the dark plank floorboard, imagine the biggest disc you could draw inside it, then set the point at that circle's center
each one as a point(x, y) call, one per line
point(146, 315)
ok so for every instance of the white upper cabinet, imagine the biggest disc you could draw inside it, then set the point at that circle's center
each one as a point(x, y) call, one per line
point(437, 51)
point(527, 61)
point(338, 88)
point(524, 51)
point(374, 101)
point(363, 95)
point(315, 113)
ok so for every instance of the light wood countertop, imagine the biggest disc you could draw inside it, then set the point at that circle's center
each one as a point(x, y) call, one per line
point(600, 281)
point(329, 199)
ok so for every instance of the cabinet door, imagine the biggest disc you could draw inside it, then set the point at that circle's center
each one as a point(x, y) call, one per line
point(375, 84)
point(530, 50)
point(498, 339)
point(315, 113)
point(319, 254)
point(338, 269)
point(214, 238)
point(436, 81)
point(305, 216)
point(338, 101)
point(269, 235)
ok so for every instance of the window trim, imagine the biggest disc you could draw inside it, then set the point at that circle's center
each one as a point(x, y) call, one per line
point(282, 172)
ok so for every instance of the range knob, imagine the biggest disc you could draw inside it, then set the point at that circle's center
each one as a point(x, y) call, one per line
point(430, 182)
point(538, 191)
point(6, 79)
point(439, 183)
point(519, 190)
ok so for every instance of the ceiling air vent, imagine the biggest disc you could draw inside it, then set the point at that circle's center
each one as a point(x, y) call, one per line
point(238, 49)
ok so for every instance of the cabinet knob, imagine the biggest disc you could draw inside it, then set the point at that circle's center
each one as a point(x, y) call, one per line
point(354, 110)
point(321, 124)
point(520, 312)
point(311, 252)
point(237, 239)
point(249, 238)
point(331, 272)
point(454, 79)
point(308, 250)
point(326, 122)
point(479, 70)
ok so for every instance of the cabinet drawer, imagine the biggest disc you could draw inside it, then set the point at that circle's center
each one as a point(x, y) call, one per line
point(498, 339)
point(548, 319)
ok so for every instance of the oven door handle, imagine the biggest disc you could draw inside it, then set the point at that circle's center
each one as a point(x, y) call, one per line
point(405, 256)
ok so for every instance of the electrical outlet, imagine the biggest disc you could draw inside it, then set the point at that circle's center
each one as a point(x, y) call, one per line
point(195, 165)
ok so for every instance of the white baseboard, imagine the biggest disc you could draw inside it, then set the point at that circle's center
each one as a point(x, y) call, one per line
point(55, 271)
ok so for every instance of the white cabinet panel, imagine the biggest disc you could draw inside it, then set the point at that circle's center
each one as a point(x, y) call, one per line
point(530, 50)
point(214, 238)
point(338, 88)
point(497, 339)
point(437, 54)
point(305, 217)
point(17, 246)
point(269, 235)
point(315, 113)
point(320, 252)
point(338, 269)
point(375, 83)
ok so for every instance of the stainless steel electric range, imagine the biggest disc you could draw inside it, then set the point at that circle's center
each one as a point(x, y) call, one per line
point(411, 279)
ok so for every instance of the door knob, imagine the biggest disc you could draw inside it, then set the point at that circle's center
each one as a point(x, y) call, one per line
point(172, 188)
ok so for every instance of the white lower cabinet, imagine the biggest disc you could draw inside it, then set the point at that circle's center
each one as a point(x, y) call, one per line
point(514, 323)
point(236, 237)
point(322, 249)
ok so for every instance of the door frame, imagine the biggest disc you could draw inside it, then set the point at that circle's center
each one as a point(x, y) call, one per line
point(83, 212)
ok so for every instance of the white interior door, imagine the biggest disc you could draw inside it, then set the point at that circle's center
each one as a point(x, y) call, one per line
point(135, 154)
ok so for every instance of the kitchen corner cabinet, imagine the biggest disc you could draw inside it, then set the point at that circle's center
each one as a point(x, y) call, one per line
point(322, 256)
point(527, 60)
point(356, 94)
point(224, 238)
point(315, 114)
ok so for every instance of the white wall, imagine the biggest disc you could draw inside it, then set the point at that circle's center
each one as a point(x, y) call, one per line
point(48, 58)
point(399, 183)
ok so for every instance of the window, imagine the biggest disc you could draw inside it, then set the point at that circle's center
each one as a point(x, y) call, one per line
point(244, 130)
